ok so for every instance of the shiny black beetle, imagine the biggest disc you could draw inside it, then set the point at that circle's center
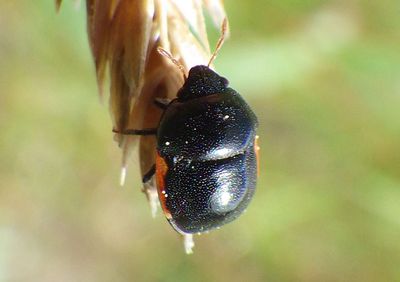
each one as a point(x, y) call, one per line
point(206, 164)
point(206, 160)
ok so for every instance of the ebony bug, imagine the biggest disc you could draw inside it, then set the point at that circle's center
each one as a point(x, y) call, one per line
point(206, 159)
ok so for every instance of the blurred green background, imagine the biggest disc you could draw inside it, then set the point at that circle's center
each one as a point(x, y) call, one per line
point(324, 79)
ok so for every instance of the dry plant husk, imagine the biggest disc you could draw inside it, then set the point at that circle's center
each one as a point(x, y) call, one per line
point(124, 36)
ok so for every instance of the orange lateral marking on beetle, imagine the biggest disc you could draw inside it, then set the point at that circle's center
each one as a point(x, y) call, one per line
point(257, 152)
point(161, 171)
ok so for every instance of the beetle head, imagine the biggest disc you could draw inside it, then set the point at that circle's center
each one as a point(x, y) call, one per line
point(202, 81)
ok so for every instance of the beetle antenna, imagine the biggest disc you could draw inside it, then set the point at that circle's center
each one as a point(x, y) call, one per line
point(168, 55)
point(220, 41)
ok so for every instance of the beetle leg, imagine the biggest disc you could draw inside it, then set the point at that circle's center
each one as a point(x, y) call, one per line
point(162, 103)
point(148, 175)
point(146, 131)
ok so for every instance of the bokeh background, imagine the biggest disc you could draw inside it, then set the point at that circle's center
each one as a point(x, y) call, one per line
point(324, 79)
